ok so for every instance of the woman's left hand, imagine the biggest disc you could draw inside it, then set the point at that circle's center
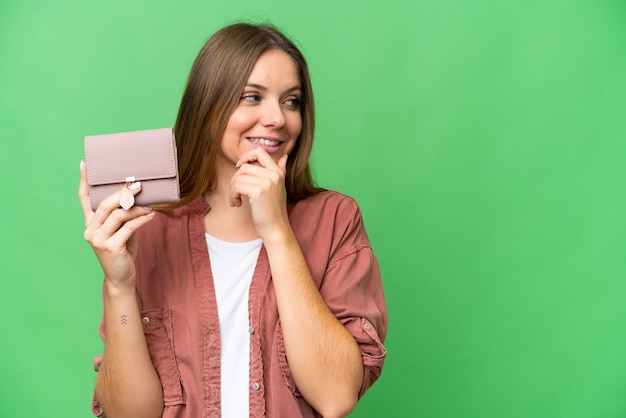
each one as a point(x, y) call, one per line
point(262, 181)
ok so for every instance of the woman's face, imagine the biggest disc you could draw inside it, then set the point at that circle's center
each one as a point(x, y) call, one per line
point(268, 113)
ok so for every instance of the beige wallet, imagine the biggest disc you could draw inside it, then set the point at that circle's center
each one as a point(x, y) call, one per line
point(116, 160)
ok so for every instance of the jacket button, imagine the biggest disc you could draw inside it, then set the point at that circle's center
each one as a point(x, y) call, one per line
point(256, 386)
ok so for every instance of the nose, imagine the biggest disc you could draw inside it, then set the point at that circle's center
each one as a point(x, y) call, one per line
point(272, 115)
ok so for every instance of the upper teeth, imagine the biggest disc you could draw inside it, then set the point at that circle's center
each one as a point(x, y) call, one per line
point(265, 141)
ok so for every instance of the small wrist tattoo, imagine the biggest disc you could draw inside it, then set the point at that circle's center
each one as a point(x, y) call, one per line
point(123, 320)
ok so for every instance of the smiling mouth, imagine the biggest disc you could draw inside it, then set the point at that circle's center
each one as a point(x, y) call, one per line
point(265, 141)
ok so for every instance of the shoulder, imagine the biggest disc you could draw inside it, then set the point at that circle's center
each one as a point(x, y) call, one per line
point(328, 209)
point(328, 202)
point(330, 217)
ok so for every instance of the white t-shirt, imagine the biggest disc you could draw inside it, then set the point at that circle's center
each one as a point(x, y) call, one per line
point(232, 265)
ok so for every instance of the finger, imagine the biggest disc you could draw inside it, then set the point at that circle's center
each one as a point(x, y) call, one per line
point(235, 199)
point(260, 176)
point(126, 231)
point(111, 203)
point(259, 155)
point(263, 182)
point(83, 194)
point(275, 173)
point(253, 170)
point(235, 196)
point(282, 164)
point(245, 189)
point(117, 219)
point(248, 164)
point(249, 185)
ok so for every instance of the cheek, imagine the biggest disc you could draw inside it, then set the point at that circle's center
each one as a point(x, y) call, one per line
point(295, 126)
point(240, 121)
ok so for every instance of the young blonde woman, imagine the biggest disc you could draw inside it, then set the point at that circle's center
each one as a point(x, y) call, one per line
point(259, 294)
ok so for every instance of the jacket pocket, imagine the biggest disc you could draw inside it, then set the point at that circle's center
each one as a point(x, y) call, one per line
point(158, 328)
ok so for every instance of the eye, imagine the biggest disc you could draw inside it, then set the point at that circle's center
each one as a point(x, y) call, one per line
point(293, 103)
point(251, 97)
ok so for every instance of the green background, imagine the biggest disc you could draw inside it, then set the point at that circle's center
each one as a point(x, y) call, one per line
point(485, 141)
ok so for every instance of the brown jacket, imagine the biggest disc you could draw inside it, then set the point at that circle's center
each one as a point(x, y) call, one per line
point(177, 302)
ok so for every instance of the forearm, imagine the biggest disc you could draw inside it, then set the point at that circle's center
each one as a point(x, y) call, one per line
point(324, 358)
point(127, 383)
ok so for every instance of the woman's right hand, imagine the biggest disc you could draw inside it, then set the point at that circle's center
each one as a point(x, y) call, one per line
point(111, 233)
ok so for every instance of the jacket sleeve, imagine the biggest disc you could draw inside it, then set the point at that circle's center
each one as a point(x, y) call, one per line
point(352, 288)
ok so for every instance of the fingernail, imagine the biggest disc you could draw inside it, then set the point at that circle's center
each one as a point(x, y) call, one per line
point(286, 156)
point(151, 214)
point(136, 185)
point(238, 162)
point(147, 207)
point(82, 165)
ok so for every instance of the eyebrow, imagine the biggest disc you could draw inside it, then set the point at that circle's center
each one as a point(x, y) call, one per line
point(260, 87)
